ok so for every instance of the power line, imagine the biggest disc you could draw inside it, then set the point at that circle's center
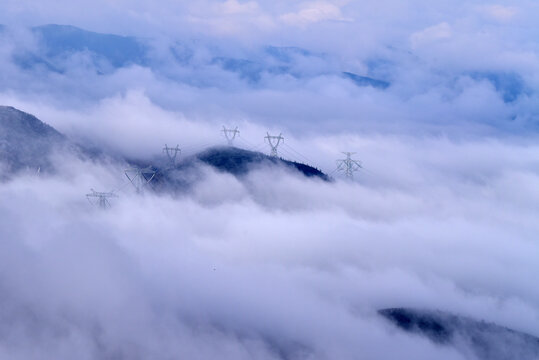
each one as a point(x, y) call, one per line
point(300, 154)
point(250, 145)
point(191, 149)
point(289, 156)
point(256, 147)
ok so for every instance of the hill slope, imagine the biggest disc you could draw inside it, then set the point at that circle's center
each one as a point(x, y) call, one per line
point(239, 161)
point(226, 159)
point(485, 340)
point(26, 142)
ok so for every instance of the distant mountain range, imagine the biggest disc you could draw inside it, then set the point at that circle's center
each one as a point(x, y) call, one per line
point(58, 44)
point(26, 143)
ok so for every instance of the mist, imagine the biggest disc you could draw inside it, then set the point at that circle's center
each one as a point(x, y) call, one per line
point(273, 265)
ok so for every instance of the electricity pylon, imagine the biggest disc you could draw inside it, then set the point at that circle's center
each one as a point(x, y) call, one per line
point(230, 134)
point(273, 145)
point(171, 154)
point(348, 165)
point(101, 199)
point(140, 177)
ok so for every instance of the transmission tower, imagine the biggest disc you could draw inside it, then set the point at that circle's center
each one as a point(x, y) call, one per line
point(171, 154)
point(348, 165)
point(100, 199)
point(140, 177)
point(230, 134)
point(274, 142)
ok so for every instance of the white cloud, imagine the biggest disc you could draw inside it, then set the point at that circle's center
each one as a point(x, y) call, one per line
point(432, 34)
point(313, 12)
point(499, 12)
point(274, 264)
point(236, 7)
point(231, 18)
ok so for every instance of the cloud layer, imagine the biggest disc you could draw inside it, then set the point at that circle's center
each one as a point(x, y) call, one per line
point(274, 266)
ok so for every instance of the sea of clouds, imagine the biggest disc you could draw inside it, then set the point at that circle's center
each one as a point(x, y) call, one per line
point(443, 214)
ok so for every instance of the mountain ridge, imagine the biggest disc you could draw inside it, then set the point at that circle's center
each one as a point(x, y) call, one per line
point(109, 52)
point(27, 142)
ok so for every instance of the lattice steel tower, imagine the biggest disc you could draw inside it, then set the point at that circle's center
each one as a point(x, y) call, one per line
point(273, 145)
point(348, 165)
point(140, 177)
point(171, 154)
point(101, 199)
point(230, 135)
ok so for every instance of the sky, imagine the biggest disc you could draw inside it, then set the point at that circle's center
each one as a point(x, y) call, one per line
point(443, 214)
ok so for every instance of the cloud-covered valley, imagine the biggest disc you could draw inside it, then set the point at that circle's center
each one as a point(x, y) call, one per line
point(438, 101)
